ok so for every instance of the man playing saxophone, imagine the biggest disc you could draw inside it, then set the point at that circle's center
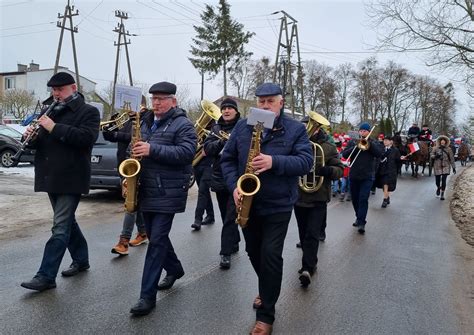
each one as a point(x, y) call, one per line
point(167, 148)
point(311, 207)
point(285, 154)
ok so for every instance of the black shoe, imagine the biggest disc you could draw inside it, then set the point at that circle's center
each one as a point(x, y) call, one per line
point(208, 220)
point(322, 236)
point(38, 284)
point(225, 262)
point(361, 229)
point(74, 269)
point(384, 203)
point(442, 196)
point(168, 281)
point(388, 201)
point(305, 278)
point(143, 307)
point(355, 224)
point(196, 225)
point(438, 192)
point(235, 249)
point(298, 245)
point(372, 192)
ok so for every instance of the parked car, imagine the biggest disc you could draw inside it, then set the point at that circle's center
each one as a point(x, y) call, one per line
point(10, 143)
point(104, 172)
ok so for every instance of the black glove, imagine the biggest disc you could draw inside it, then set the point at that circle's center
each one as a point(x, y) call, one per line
point(323, 171)
point(438, 155)
point(454, 170)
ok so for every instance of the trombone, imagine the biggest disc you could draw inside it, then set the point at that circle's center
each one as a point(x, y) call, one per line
point(362, 145)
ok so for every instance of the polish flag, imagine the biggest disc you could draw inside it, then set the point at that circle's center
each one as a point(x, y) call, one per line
point(413, 147)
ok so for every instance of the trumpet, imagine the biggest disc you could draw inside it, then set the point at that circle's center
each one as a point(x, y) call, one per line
point(115, 123)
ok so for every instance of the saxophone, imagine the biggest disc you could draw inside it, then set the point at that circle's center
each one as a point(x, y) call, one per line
point(130, 168)
point(248, 184)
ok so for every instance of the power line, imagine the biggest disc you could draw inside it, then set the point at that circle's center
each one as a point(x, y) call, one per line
point(30, 25)
point(14, 4)
point(100, 3)
point(33, 32)
point(172, 10)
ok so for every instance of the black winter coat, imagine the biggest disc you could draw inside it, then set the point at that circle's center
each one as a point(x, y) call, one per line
point(63, 157)
point(165, 173)
point(364, 166)
point(331, 160)
point(387, 170)
point(213, 146)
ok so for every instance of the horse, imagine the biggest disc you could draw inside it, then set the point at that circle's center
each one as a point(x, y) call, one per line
point(420, 157)
point(463, 153)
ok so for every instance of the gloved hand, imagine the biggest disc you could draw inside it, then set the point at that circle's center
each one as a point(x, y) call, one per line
point(324, 171)
point(438, 155)
point(454, 170)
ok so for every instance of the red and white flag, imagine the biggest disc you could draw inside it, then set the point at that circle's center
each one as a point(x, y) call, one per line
point(413, 147)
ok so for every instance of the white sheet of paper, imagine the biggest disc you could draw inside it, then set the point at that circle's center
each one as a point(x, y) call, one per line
point(261, 115)
point(129, 94)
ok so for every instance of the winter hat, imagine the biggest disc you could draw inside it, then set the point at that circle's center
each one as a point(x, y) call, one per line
point(364, 126)
point(228, 102)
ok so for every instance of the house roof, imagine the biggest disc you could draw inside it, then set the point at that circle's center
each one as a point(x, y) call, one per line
point(12, 73)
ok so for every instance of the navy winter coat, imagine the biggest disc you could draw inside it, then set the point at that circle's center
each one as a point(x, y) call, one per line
point(364, 166)
point(63, 157)
point(165, 173)
point(292, 156)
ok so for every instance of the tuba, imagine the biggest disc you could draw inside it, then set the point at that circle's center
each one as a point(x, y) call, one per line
point(248, 184)
point(210, 112)
point(311, 182)
point(130, 168)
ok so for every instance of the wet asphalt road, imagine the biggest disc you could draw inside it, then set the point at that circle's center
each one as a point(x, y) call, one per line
point(397, 279)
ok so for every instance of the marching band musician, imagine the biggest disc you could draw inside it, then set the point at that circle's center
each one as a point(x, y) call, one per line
point(62, 169)
point(122, 137)
point(361, 175)
point(213, 145)
point(285, 154)
point(311, 208)
point(167, 149)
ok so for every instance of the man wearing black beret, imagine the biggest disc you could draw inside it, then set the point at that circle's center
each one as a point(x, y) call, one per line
point(62, 169)
point(285, 155)
point(167, 149)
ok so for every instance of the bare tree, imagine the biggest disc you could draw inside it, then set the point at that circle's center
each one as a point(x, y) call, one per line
point(443, 28)
point(343, 78)
point(17, 102)
point(365, 93)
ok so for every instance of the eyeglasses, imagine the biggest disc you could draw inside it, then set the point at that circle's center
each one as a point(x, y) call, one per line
point(162, 98)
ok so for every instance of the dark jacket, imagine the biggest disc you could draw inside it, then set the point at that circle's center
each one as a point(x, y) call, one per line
point(213, 146)
point(292, 156)
point(63, 157)
point(364, 166)
point(413, 131)
point(332, 161)
point(165, 173)
point(387, 170)
point(122, 137)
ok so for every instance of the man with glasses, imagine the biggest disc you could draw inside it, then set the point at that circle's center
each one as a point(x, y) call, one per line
point(285, 155)
point(166, 150)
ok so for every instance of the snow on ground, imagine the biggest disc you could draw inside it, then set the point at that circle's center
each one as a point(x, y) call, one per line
point(23, 169)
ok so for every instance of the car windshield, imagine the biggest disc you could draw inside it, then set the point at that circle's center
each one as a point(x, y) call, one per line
point(5, 130)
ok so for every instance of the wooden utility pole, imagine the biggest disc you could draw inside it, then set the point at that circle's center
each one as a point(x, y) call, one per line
point(284, 66)
point(120, 29)
point(68, 14)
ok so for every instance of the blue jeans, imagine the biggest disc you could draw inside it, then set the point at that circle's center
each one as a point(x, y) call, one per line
point(66, 235)
point(335, 186)
point(160, 253)
point(360, 191)
point(129, 221)
point(345, 185)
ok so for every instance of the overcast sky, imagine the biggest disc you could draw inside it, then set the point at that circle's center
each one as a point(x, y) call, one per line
point(330, 31)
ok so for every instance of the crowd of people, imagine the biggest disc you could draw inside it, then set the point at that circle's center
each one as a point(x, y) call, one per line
point(281, 158)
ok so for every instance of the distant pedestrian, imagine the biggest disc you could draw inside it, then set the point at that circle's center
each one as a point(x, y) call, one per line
point(443, 161)
point(386, 176)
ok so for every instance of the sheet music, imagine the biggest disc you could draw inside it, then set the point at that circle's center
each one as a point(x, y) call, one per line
point(128, 94)
point(261, 115)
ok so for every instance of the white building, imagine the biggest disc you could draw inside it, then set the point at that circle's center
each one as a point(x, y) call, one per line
point(33, 79)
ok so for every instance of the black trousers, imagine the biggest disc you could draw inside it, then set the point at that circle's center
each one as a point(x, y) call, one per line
point(264, 238)
point(441, 181)
point(203, 175)
point(310, 222)
point(160, 253)
point(230, 236)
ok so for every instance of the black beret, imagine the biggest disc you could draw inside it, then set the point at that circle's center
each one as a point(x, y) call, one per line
point(61, 79)
point(268, 89)
point(163, 87)
point(228, 102)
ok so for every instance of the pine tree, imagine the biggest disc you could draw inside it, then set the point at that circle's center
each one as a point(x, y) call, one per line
point(219, 42)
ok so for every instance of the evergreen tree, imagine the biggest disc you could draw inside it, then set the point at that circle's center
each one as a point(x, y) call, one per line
point(219, 42)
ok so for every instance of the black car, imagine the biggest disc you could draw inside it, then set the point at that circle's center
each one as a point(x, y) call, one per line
point(9, 146)
point(104, 173)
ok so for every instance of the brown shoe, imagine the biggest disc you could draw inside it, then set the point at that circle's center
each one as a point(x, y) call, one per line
point(122, 247)
point(261, 328)
point(140, 239)
point(257, 303)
